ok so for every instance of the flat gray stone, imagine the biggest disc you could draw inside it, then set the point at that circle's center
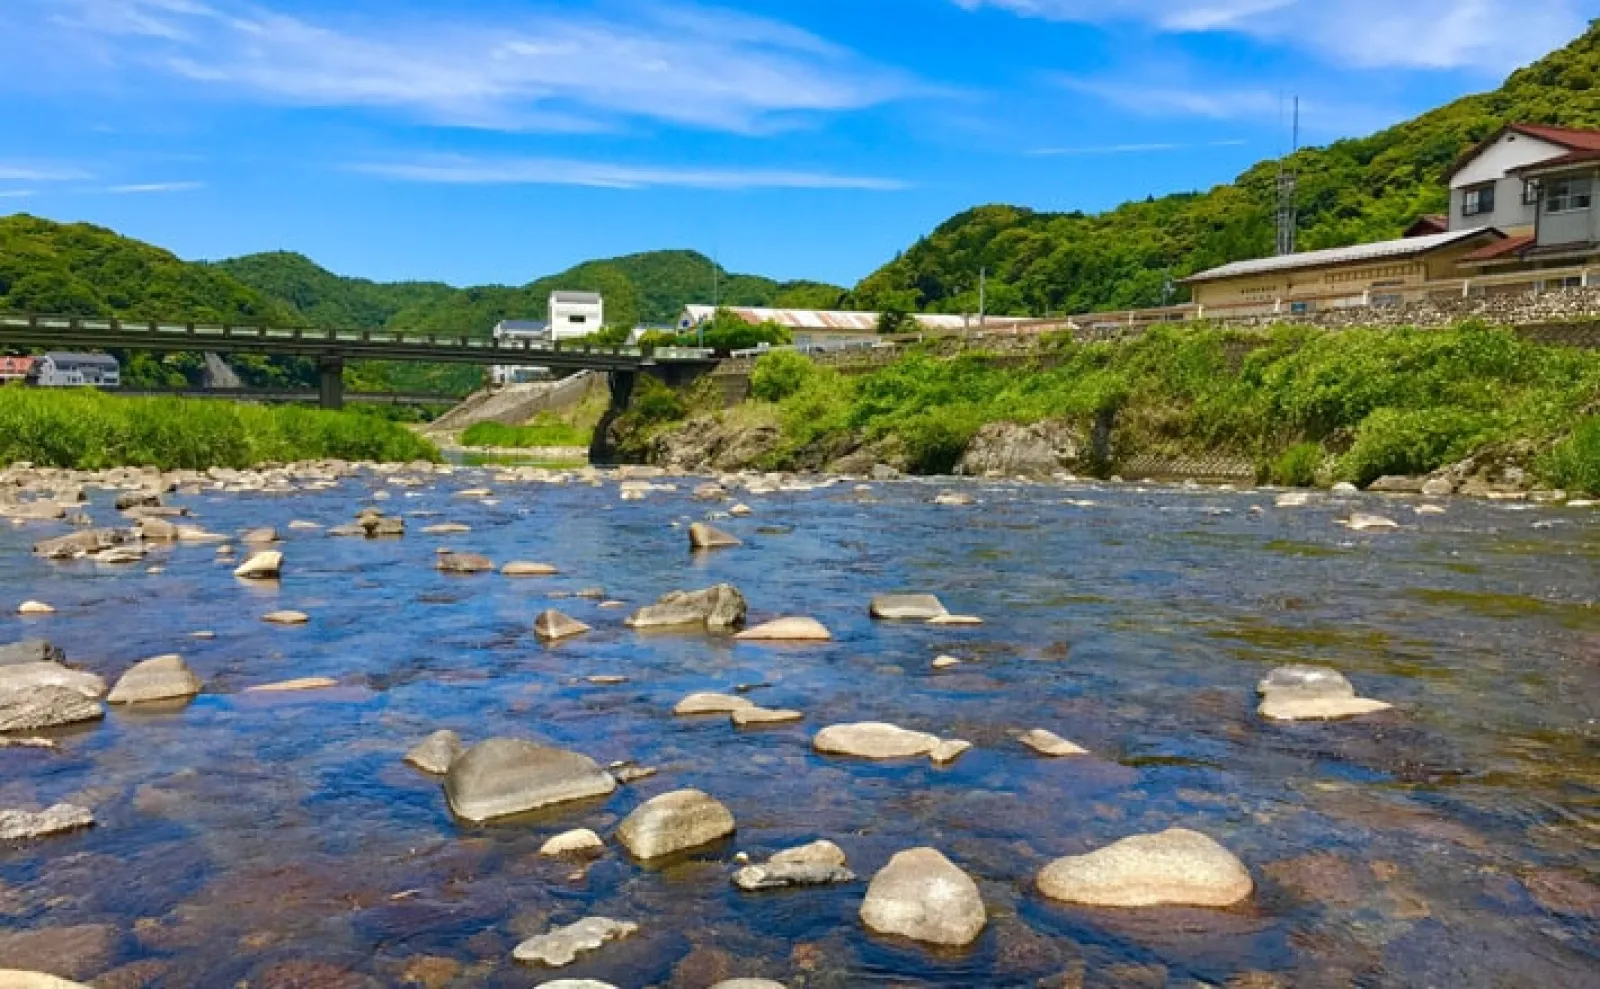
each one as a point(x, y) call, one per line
point(720, 607)
point(30, 651)
point(674, 822)
point(907, 607)
point(563, 945)
point(16, 825)
point(707, 702)
point(819, 863)
point(463, 563)
point(505, 776)
point(874, 740)
point(29, 708)
point(160, 679)
point(27, 676)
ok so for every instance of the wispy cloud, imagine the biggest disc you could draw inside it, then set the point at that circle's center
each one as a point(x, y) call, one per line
point(1131, 149)
point(604, 175)
point(16, 193)
point(39, 173)
point(1167, 93)
point(1492, 36)
point(143, 187)
point(549, 69)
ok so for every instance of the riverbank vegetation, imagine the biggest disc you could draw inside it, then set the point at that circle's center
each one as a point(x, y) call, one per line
point(545, 430)
point(89, 430)
point(1304, 405)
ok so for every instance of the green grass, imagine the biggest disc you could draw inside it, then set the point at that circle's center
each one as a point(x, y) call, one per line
point(89, 430)
point(1360, 403)
point(546, 429)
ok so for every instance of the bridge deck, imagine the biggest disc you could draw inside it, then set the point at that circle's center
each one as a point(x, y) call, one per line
point(66, 332)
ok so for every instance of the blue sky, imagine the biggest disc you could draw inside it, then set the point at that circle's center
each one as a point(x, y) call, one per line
point(502, 140)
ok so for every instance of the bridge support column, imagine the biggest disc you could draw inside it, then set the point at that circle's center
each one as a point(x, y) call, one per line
point(330, 382)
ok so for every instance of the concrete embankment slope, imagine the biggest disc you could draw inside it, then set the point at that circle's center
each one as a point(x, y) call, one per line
point(513, 405)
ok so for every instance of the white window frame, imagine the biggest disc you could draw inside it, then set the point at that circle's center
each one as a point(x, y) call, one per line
point(1569, 195)
point(1472, 199)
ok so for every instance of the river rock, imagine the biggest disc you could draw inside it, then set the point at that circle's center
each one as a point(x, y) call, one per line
point(816, 864)
point(874, 740)
point(505, 776)
point(137, 499)
point(286, 617)
point(14, 979)
point(1292, 499)
point(921, 895)
point(79, 544)
point(1360, 522)
point(446, 529)
point(563, 945)
point(436, 753)
point(741, 510)
point(719, 607)
point(710, 703)
point(1177, 867)
point(1395, 484)
point(949, 750)
point(1311, 693)
point(946, 663)
point(261, 566)
point(702, 536)
point(463, 563)
point(35, 608)
point(1038, 450)
point(907, 607)
point(1344, 488)
point(674, 822)
point(955, 620)
point(748, 984)
point(1048, 743)
point(33, 676)
point(29, 708)
point(553, 626)
point(258, 537)
point(524, 568)
point(159, 679)
point(30, 651)
point(120, 554)
point(16, 825)
point(293, 686)
point(752, 716)
point(580, 841)
point(154, 530)
point(380, 526)
point(1438, 487)
point(953, 498)
point(788, 630)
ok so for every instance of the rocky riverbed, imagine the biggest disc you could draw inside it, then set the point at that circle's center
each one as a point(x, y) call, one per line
point(333, 726)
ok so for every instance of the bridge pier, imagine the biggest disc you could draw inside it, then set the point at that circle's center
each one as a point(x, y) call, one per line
point(330, 382)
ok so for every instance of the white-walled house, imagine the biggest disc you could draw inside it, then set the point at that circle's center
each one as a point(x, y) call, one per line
point(576, 314)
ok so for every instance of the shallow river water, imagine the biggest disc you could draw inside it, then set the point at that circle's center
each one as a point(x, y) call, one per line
point(278, 842)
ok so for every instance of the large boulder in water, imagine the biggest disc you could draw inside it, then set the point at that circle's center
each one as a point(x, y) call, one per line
point(874, 740)
point(26, 709)
point(1311, 693)
point(719, 607)
point(921, 895)
point(163, 678)
point(1037, 450)
point(1177, 867)
point(674, 822)
point(30, 651)
point(80, 544)
point(505, 776)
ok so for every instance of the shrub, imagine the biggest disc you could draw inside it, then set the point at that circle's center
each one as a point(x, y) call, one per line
point(654, 402)
point(780, 374)
point(90, 430)
point(1574, 463)
point(1297, 466)
point(1412, 441)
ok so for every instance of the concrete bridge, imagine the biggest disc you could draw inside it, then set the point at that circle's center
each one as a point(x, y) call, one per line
point(283, 396)
point(331, 348)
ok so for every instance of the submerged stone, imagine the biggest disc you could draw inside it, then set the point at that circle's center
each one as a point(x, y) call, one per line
point(563, 945)
point(16, 825)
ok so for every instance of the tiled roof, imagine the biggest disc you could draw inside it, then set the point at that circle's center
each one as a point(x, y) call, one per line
point(1500, 249)
point(1404, 247)
point(1576, 157)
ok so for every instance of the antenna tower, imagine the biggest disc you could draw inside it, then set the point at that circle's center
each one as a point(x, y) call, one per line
point(1288, 215)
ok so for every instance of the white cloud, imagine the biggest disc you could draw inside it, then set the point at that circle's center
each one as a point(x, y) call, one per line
point(16, 193)
point(1168, 93)
point(1131, 149)
point(156, 187)
point(1493, 36)
point(37, 173)
point(603, 175)
point(550, 69)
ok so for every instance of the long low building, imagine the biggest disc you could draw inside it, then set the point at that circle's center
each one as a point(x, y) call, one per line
point(824, 328)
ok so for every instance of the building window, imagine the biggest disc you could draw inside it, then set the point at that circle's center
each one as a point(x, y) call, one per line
point(1566, 195)
point(1530, 193)
point(1478, 200)
point(577, 319)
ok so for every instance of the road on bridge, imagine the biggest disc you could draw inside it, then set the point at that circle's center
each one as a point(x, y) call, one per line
point(332, 348)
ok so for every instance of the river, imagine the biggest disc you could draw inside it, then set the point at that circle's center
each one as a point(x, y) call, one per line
point(278, 841)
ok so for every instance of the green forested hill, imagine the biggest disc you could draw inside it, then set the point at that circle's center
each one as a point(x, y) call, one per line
point(1350, 192)
point(650, 288)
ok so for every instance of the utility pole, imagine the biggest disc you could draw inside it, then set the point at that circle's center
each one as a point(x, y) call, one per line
point(1288, 215)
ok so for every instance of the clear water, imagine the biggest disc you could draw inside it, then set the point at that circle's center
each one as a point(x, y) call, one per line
point(280, 841)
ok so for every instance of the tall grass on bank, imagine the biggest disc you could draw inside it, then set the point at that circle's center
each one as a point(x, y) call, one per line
point(90, 430)
point(1353, 404)
point(545, 430)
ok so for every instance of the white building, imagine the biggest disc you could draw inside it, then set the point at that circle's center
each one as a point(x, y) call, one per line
point(60, 370)
point(576, 314)
point(826, 329)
